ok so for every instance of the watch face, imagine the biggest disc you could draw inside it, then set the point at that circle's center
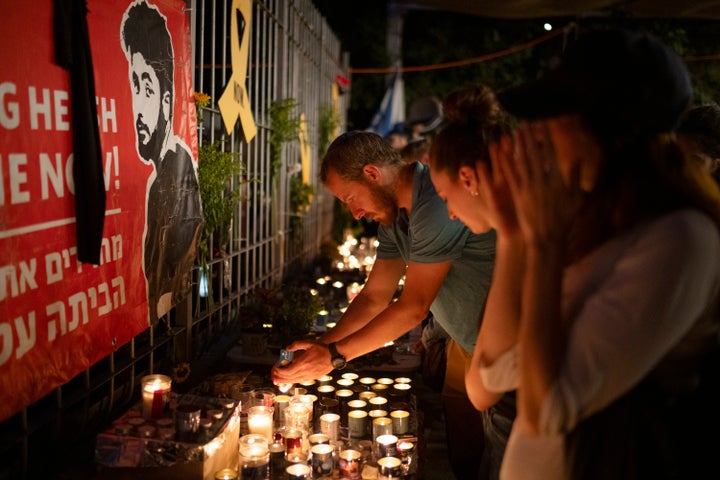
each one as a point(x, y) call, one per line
point(338, 363)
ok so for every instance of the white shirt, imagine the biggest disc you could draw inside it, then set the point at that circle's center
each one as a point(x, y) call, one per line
point(630, 302)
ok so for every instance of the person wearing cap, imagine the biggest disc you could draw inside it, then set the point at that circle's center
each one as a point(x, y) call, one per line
point(603, 310)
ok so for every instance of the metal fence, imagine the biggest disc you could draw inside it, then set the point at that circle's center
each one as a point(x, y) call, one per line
point(293, 55)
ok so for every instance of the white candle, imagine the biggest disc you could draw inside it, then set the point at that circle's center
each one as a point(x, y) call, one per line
point(260, 421)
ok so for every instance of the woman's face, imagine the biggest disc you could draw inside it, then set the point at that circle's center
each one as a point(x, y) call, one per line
point(459, 197)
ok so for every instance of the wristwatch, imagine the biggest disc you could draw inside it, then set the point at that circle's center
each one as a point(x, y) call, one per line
point(338, 361)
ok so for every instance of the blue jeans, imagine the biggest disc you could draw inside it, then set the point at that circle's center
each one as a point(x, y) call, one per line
point(497, 422)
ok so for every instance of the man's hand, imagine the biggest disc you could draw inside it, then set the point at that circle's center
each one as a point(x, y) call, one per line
point(311, 360)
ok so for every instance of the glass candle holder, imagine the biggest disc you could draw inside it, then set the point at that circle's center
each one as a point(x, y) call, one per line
point(318, 439)
point(260, 421)
point(330, 425)
point(243, 393)
point(387, 446)
point(263, 396)
point(294, 441)
point(322, 460)
point(254, 458)
point(406, 450)
point(298, 471)
point(297, 415)
point(389, 468)
point(281, 402)
point(155, 395)
point(349, 464)
point(381, 426)
point(226, 474)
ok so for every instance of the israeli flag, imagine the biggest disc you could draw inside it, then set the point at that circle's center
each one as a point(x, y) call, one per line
point(391, 113)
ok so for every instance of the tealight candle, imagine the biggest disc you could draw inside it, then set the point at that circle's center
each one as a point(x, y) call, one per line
point(400, 421)
point(387, 445)
point(226, 474)
point(357, 423)
point(298, 471)
point(329, 425)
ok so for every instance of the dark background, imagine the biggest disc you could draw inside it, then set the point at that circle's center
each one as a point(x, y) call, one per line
point(433, 37)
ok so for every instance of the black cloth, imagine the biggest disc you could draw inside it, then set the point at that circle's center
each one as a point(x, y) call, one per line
point(653, 432)
point(72, 52)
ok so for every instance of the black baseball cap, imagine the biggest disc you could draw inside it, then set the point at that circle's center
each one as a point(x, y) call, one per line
point(620, 80)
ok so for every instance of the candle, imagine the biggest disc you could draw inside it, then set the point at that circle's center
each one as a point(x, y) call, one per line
point(226, 474)
point(155, 395)
point(293, 441)
point(389, 468)
point(260, 421)
point(367, 381)
point(345, 382)
point(357, 423)
point(357, 405)
point(377, 402)
point(322, 460)
point(349, 464)
point(253, 445)
point(281, 403)
point(387, 445)
point(329, 425)
point(298, 471)
point(400, 421)
point(381, 426)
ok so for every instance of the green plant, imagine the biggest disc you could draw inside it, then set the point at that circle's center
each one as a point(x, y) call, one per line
point(220, 195)
point(258, 309)
point(284, 128)
point(290, 309)
point(328, 123)
point(296, 312)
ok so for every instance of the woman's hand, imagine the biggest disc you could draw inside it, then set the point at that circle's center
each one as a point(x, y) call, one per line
point(494, 190)
point(544, 201)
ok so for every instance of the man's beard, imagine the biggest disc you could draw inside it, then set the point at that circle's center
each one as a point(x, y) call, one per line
point(150, 151)
point(386, 203)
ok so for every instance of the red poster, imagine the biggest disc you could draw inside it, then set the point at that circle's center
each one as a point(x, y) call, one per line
point(59, 316)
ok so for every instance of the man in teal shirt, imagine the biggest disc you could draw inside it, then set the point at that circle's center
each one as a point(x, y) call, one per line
point(447, 271)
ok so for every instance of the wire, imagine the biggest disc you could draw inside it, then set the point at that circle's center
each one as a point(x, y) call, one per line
point(459, 63)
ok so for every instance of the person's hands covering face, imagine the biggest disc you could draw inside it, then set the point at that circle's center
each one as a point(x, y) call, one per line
point(545, 202)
